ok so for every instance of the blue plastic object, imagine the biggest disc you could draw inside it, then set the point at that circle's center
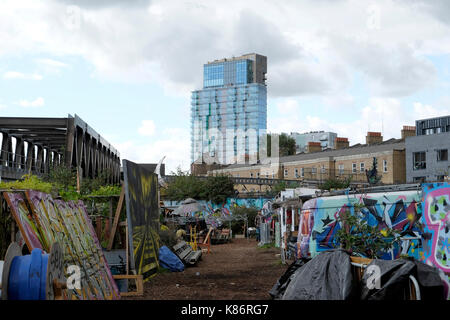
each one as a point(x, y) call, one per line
point(28, 276)
point(168, 260)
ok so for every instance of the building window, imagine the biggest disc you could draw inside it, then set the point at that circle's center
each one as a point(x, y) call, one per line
point(419, 160)
point(237, 175)
point(361, 167)
point(313, 170)
point(251, 174)
point(302, 172)
point(442, 155)
point(419, 179)
point(354, 167)
point(322, 169)
point(296, 172)
point(385, 166)
point(285, 172)
point(341, 169)
point(273, 175)
point(257, 174)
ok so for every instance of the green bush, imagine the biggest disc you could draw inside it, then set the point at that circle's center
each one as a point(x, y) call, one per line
point(358, 237)
point(28, 182)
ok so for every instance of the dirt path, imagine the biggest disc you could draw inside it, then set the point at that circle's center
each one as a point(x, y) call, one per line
point(236, 270)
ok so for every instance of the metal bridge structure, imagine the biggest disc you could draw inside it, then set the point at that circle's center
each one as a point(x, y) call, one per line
point(35, 145)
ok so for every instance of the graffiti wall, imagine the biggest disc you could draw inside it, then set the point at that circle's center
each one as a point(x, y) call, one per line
point(27, 226)
point(141, 196)
point(215, 214)
point(68, 224)
point(396, 210)
point(436, 234)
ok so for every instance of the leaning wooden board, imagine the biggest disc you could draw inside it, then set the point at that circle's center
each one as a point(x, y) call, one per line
point(67, 223)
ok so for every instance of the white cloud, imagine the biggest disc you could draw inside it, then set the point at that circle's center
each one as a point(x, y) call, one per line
point(147, 128)
point(38, 102)
point(386, 115)
point(288, 106)
point(175, 145)
point(50, 66)
point(422, 111)
point(169, 41)
point(20, 75)
point(52, 63)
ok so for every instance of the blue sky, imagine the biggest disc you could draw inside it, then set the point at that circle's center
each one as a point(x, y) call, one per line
point(128, 69)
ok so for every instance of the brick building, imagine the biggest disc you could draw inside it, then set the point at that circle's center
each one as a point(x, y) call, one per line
point(343, 162)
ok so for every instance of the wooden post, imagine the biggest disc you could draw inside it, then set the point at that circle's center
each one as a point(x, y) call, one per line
point(126, 249)
point(98, 227)
point(116, 219)
point(13, 230)
point(110, 214)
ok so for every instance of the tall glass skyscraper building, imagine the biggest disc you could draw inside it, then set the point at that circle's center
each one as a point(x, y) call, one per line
point(229, 115)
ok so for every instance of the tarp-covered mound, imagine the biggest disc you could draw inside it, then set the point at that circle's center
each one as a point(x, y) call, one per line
point(326, 277)
point(279, 288)
point(395, 280)
point(329, 276)
point(168, 260)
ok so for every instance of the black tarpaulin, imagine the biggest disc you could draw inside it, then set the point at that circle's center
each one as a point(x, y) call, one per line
point(327, 276)
point(280, 287)
point(395, 280)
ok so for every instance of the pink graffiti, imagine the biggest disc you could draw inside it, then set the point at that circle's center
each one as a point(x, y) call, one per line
point(438, 224)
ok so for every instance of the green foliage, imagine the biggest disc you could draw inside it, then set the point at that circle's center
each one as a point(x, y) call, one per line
point(358, 237)
point(214, 188)
point(286, 145)
point(107, 190)
point(219, 188)
point(336, 184)
point(281, 186)
point(28, 182)
point(69, 193)
point(62, 177)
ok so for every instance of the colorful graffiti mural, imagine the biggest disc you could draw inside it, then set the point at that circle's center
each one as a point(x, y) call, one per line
point(141, 196)
point(27, 226)
point(421, 217)
point(215, 214)
point(68, 224)
point(436, 234)
point(396, 210)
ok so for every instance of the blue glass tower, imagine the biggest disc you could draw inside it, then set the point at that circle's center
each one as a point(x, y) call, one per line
point(230, 113)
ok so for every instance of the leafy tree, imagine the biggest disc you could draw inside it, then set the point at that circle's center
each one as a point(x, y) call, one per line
point(243, 212)
point(62, 176)
point(185, 185)
point(335, 184)
point(286, 145)
point(214, 188)
point(281, 186)
point(358, 237)
point(219, 188)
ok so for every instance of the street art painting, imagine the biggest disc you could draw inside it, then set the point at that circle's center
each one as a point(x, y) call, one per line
point(27, 226)
point(305, 228)
point(63, 222)
point(396, 210)
point(46, 217)
point(436, 234)
point(141, 196)
point(216, 214)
